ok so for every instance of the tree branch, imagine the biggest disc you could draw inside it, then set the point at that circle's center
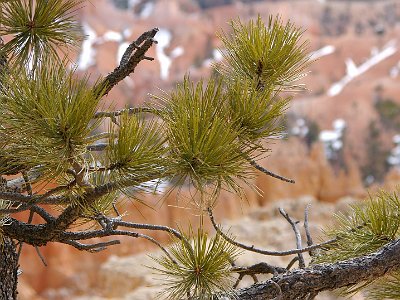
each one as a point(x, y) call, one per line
point(307, 229)
point(128, 63)
point(303, 283)
point(97, 247)
point(262, 251)
point(297, 235)
point(269, 173)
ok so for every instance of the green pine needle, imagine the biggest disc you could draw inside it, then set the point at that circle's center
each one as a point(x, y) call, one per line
point(46, 119)
point(387, 287)
point(203, 144)
point(369, 227)
point(200, 268)
point(272, 56)
point(258, 114)
point(136, 150)
point(38, 29)
point(101, 205)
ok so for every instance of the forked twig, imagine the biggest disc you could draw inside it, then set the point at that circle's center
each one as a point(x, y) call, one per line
point(297, 235)
point(262, 251)
point(307, 229)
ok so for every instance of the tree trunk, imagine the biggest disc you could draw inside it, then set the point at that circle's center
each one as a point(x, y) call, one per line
point(8, 270)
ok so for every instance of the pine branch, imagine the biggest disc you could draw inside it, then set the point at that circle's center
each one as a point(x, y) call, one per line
point(263, 251)
point(301, 283)
point(128, 63)
point(269, 173)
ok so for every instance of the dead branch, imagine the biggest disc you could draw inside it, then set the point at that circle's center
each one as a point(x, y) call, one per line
point(262, 251)
point(297, 235)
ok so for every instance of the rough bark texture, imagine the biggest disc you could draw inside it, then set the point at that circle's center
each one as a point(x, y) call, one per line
point(8, 270)
point(300, 284)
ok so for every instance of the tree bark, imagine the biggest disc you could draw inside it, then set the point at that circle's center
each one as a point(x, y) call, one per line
point(8, 270)
point(300, 284)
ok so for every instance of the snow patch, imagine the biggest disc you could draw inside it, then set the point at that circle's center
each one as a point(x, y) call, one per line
point(178, 51)
point(394, 157)
point(395, 70)
point(87, 56)
point(112, 36)
point(329, 49)
point(353, 71)
point(333, 139)
point(300, 129)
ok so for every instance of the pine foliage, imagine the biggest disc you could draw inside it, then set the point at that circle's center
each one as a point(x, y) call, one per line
point(46, 119)
point(199, 267)
point(272, 55)
point(38, 29)
point(365, 230)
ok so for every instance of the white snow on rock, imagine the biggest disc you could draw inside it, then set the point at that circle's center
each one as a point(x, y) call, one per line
point(87, 56)
point(339, 124)
point(178, 51)
point(300, 129)
point(329, 49)
point(332, 139)
point(112, 36)
point(395, 70)
point(164, 38)
point(394, 157)
point(353, 71)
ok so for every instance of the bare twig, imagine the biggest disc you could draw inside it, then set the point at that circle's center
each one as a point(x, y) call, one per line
point(133, 55)
point(307, 229)
point(269, 173)
point(292, 262)
point(42, 213)
point(31, 200)
point(97, 247)
point(297, 235)
point(114, 223)
point(262, 251)
point(40, 256)
point(301, 283)
point(28, 185)
point(70, 237)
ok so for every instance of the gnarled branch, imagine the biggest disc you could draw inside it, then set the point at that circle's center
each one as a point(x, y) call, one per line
point(303, 283)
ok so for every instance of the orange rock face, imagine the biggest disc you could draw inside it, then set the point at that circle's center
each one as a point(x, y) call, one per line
point(351, 28)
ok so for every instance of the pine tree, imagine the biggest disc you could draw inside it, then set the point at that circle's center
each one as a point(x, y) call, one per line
point(208, 135)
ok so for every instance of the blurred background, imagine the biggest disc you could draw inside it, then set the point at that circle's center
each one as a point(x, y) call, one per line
point(343, 134)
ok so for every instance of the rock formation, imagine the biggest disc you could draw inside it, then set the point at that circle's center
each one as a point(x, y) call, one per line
point(356, 44)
